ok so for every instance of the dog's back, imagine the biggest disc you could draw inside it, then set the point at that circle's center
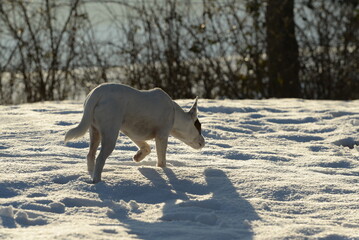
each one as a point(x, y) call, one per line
point(143, 113)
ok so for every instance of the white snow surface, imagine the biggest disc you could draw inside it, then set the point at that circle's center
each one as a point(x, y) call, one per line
point(271, 169)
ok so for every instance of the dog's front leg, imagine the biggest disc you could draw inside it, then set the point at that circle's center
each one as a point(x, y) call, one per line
point(161, 148)
point(144, 150)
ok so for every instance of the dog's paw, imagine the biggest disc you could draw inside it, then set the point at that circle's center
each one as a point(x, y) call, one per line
point(141, 154)
point(94, 181)
point(138, 156)
point(161, 165)
point(96, 178)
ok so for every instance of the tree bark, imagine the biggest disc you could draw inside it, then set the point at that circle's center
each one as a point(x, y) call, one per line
point(282, 49)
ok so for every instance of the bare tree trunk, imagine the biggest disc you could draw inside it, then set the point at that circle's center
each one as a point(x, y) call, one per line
point(282, 49)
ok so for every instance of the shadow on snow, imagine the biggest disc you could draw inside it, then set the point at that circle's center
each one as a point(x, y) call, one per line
point(226, 215)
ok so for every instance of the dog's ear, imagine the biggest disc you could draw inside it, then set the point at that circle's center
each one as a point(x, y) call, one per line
point(193, 110)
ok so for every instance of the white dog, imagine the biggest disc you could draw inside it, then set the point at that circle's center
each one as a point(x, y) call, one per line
point(141, 115)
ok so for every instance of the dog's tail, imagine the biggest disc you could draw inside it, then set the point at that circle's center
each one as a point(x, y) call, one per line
point(86, 120)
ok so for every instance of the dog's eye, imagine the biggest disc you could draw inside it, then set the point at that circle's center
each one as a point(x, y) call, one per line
point(197, 124)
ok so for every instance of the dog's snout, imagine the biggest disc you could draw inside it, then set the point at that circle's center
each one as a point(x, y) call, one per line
point(201, 143)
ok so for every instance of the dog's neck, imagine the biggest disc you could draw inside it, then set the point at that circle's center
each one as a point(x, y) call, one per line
point(179, 117)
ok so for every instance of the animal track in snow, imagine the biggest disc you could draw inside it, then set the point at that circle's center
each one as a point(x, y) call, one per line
point(301, 138)
point(80, 144)
point(205, 204)
point(67, 112)
point(7, 192)
point(65, 179)
point(340, 114)
point(54, 207)
point(336, 164)
point(347, 142)
point(223, 145)
point(28, 214)
point(64, 123)
point(204, 218)
point(36, 195)
point(292, 120)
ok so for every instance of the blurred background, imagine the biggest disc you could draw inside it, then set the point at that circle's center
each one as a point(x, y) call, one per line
point(57, 49)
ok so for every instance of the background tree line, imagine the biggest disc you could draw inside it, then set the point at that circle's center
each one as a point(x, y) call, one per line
point(52, 50)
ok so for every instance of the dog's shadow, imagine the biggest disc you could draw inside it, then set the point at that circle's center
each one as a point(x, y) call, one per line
point(225, 210)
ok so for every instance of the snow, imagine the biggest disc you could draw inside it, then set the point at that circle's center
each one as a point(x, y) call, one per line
point(271, 169)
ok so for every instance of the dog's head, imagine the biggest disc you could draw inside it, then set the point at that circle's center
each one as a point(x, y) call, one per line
point(189, 129)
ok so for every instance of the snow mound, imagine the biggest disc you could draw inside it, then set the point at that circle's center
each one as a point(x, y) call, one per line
point(7, 212)
point(23, 218)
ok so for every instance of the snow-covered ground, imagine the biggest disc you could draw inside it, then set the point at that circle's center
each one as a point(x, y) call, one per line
point(271, 169)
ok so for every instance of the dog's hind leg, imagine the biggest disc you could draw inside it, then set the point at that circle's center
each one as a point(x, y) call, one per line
point(95, 139)
point(108, 124)
point(108, 143)
point(144, 150)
